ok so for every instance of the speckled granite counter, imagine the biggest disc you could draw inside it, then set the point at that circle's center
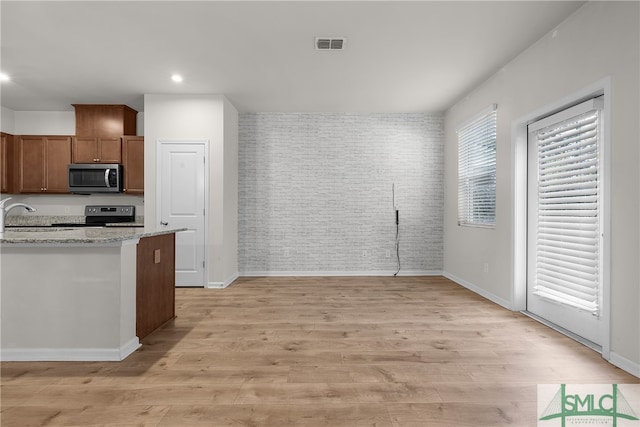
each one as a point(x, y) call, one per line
point(45, 220)
point(83, 235)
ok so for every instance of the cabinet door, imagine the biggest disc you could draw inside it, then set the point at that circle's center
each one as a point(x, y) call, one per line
point(5, 174)
point(109, 150)
point(85, 150)
point(31, 164)
point(58, 150)
point(133, 161)
point(88, 149)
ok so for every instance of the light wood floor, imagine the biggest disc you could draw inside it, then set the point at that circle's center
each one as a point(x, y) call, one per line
point(404, 351)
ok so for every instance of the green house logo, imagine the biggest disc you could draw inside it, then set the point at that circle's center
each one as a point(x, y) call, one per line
point(585, 407)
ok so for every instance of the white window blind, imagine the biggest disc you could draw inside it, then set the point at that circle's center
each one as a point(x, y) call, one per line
point(477, 170)
point(567, 246)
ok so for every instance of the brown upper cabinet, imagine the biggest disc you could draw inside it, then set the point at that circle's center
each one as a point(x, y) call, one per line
point(133, 164)
point(6, 163)
point(42, 164)
point(105, 133)
point(96, 150)
point(105, 120)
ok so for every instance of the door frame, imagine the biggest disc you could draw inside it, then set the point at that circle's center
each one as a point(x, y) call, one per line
point(198, 141)
point(519, 164)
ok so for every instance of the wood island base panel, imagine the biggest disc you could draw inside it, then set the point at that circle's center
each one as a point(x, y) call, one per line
point(155, 293)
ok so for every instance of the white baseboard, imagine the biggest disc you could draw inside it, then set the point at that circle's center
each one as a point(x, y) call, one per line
point(339, 273)
point(129, 348)
point(488, 295)
point(222, 285)
point(70, 354)
point(625, 364)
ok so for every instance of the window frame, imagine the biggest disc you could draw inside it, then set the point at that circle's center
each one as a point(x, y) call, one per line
point(477, 170)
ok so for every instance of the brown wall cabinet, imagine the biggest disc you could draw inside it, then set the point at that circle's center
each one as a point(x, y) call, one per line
point(155, 287)
point(133, 163)
point(42, 164)
point(96, 150)
point(6, 163)
point(105, 120)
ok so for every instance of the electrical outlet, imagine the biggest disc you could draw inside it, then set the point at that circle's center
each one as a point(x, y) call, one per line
point(364, 254)
point(287, 253)
point(67, 209)
point(486, 267)
point(388, 254)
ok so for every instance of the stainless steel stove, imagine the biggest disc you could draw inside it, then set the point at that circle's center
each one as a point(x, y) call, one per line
point(103, 215)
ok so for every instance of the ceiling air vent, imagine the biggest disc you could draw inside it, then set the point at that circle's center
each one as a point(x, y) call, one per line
point(330, 43)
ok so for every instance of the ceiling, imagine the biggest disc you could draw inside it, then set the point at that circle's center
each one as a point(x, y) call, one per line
point(416, 56)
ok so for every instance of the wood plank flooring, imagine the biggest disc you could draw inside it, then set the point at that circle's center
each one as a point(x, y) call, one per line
point(310, 351)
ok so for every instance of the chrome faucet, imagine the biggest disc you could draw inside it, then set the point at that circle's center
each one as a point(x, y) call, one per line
point(4, 211)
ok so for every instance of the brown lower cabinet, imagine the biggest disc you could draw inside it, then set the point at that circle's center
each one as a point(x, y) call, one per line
point(155, 289)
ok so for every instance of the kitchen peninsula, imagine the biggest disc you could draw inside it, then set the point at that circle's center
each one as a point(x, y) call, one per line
point(79, 293)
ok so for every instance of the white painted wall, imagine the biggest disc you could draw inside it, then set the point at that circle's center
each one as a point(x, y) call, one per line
point(601, 39)
point(7, 120)
point(45, 123)
point(208, 117)
point(229, 264)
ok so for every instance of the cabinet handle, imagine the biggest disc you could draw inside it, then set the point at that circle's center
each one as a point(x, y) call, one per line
point(164, 223)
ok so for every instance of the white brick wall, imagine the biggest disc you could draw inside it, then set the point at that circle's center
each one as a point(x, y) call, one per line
point(315, 192)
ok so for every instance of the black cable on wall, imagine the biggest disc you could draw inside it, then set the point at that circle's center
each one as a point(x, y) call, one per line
point(397, 212)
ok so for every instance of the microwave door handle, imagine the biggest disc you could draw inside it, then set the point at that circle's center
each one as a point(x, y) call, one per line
point(106, 177)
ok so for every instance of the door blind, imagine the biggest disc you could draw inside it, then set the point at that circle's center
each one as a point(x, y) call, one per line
point(567, 258)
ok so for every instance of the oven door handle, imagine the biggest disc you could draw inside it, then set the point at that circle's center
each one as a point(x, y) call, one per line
point(106, 178)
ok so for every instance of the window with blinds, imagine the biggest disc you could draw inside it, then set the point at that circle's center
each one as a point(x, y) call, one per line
point(567, 227)
point(477, 170)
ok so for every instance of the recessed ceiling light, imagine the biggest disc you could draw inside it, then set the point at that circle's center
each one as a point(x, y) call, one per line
point(4, 77)
point(176, 78)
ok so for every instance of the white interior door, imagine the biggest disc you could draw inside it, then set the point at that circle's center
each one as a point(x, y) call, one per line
point(565, 243)
point(181, 203)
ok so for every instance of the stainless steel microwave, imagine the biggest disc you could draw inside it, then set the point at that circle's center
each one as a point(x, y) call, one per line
point(86, 178)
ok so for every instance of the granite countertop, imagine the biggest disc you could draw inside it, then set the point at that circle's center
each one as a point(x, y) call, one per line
point(47, 220)
point(83, 235)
